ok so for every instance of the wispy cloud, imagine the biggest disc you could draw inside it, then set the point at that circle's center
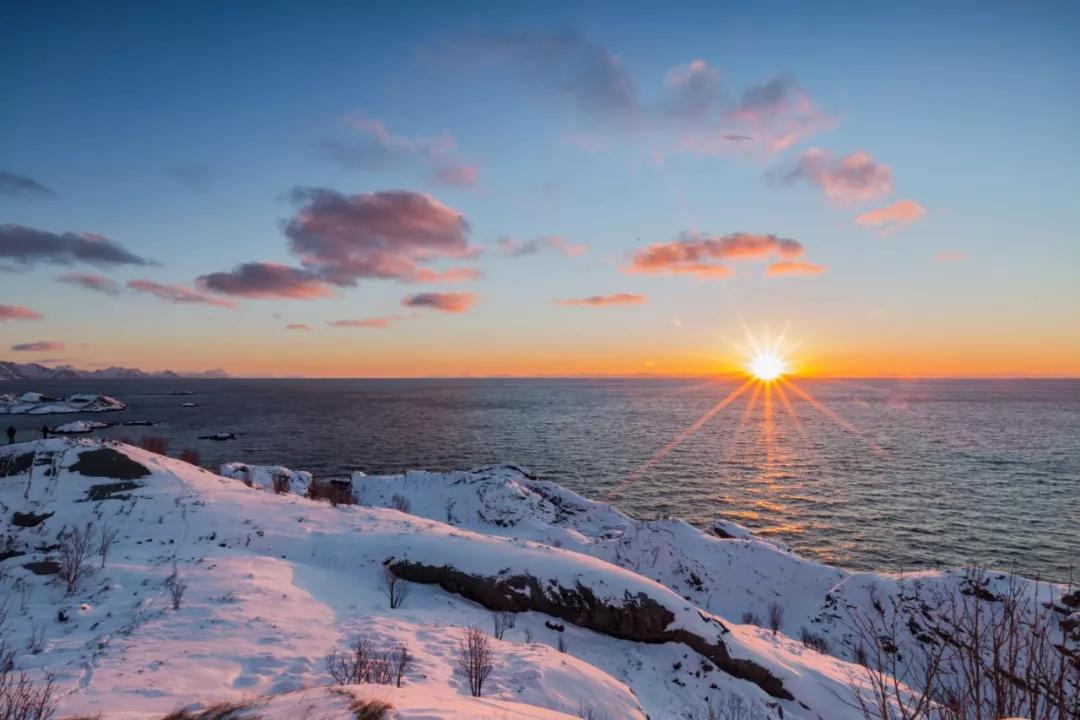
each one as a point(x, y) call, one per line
point(793, 267)
point(91, 281)
point(950, 256)
point(39, 346)
point(177, 294)
point(517, 248)
point(851, 178)
point(14, 185)
point(380, 323)
point(28, 246)
point(298, 326)
point(447, 302)
point(266, 281)
point(373, 147)
point(701, 255)
point(891, 217)
point(18, 312)
point(604, 300)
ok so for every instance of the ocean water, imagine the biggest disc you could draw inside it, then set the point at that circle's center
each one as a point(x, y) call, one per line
point(879, 474)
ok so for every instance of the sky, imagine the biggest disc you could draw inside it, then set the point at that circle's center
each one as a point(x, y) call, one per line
point(349, 190)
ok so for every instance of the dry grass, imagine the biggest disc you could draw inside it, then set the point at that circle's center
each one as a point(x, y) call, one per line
point(370, 709)
point(217, 711)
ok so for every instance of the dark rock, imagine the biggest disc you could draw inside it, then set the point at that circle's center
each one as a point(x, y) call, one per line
point(27, 520)
point(42, 567)
point(15, 464)
point(638, 618)
point(110, 491)
point(1072, 600)
point(106, 462)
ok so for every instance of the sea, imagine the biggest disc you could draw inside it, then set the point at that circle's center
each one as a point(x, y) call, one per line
point(900, 475)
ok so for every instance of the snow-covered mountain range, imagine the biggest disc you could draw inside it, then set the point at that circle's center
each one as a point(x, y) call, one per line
point(33, 371)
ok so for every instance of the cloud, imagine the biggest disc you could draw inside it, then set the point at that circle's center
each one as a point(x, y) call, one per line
point(343, 238)
point(27, 246)
point(772, 115)
point(90, 281)
point(793, 267)
point(265, 281)
point(587, 75)
point(39, 346)
point(696, 254)
point(516, 248)
point(377, 148)
point(196, 178)
point(449, 302)
point(374, 322)
point(855, 177)
point(177, 294)
point(950, 256)
point(298, 326)
point(604, 300)
point(18, 312)
point(450, 275)
point(15, 185)
point(891, 217)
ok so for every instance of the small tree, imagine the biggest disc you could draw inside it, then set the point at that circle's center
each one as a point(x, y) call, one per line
point(107, 536)
point(750, 618)
point(476, 660)
point(400, 503)
point(191, 456)
point(176, 587)
point(502, 621)
point(280, 482)
point(776, 617)
point(395, 589)
point(401, 663)
point(74, 549)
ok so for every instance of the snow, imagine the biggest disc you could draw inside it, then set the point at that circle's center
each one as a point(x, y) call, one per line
point(79, 427)
point(277, 581)
point(33, 403)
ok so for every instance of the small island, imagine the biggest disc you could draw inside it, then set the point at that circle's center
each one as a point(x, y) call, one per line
point(34, 403)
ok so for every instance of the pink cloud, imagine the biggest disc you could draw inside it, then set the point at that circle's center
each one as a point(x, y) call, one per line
point(448, 302)
point(177, 294)
point(90, 281)
point(793, 267)
point(855, 177)
point(604, 300)
point(891, 217)
point(39, 346)
point(695, 254)
point(18, 312)
point(770, 116)
point(517, 248)
point(266, 280)
point(298, 326)
point(374, 322)
point(450, 275)
point(950, 256)
point(343, 238)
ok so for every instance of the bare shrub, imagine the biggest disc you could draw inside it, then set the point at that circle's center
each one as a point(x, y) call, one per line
point(476, 661)
point(749, 618)
point(35, 643)
point(502, 622)
point(176, 587)
point(107, 536)
point(814, 642)
point(280, 483)
point(400, 503)
point(363, 662)
point(217, 711)
point(191, 456)
point(986, 656)
point(370, 709)
point(562, 643)
point(394, 588)
point(588, 711)
point(23, 699)
point(732, 707)
point(776, 617)
point(74, 549)
point(335, 493)
point(154, 444)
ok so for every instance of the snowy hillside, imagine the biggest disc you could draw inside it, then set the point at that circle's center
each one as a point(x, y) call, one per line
point(33, 403)
point(216, 588)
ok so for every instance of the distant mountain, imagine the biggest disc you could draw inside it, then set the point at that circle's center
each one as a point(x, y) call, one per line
point(34, 371)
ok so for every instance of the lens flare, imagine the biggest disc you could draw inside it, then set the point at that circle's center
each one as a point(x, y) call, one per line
point(767, 366)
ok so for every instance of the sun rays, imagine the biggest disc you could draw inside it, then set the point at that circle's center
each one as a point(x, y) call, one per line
point(767, 373)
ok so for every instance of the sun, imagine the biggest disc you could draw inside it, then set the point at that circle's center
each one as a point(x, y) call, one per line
point(767, 366)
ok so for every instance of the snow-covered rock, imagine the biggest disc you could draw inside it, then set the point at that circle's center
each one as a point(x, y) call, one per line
point(263, 476)
point(33, 403)
point(80, 427)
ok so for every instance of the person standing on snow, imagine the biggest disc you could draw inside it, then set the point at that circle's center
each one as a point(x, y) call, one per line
point(11, 434)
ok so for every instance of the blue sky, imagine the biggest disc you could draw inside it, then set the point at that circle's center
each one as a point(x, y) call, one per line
point(179, 132)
